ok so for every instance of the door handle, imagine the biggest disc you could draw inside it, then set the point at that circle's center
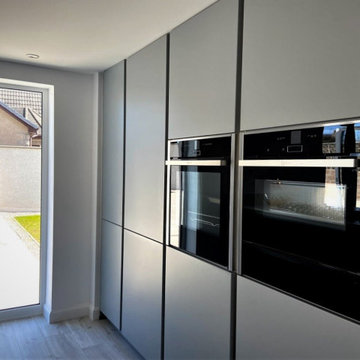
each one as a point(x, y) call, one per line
point(344, 163)
point(196, 162)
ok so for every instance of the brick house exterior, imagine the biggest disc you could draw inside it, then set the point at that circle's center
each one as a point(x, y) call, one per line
point(15, 129)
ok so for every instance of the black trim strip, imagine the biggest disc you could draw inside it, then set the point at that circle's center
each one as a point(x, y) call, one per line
point(233, 300)
point(233, 322)
point(143, 236)
point(187, 253)
point(165, 196)
point(111, 222)
point(123, 198)
point(239, 65)
point(202, 136)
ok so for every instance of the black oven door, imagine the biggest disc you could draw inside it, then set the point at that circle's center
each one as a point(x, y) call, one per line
point(300, 230)
point(199, 209)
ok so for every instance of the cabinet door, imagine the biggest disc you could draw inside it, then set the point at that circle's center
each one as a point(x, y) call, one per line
point(111, 272)
point(113, 132)
point(142, 294)
point(203, 56)
point(272, 325)
point(197, 309)
point(299, 62)
point(145, 140)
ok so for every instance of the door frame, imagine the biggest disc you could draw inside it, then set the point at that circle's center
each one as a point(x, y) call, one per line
point(47, 197)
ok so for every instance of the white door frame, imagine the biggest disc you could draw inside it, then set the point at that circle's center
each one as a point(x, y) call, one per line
point(47, 199)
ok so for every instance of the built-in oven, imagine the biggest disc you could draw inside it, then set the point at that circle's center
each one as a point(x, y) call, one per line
point(199, 191)
point(301, 214)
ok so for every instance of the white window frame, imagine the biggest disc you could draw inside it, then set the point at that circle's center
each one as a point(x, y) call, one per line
point(47, 199)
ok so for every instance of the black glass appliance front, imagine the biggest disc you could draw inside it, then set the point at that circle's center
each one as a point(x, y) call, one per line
point(301, 229)
point(199, 198)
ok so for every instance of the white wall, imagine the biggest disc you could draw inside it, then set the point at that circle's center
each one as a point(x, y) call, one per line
point(74, 184)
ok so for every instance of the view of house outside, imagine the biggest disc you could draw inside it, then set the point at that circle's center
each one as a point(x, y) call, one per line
point(20, 196)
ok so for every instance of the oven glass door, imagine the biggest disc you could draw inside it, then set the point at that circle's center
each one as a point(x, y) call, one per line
point(199, 211)
point(300, 233)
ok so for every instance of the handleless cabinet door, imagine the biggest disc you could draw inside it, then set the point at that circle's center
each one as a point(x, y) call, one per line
point(145, 140)
point(203, 57)
point(142, 294)
point(111, 272)
point(299, 62)
point(197, 309)
point(113, 132)
point(272, 325)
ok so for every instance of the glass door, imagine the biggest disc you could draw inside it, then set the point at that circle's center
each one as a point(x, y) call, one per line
point(199, 211)
point(300, 232)
point(24, 155)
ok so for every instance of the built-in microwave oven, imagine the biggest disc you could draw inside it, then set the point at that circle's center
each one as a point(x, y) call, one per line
point(199, 193)
point(301, 213)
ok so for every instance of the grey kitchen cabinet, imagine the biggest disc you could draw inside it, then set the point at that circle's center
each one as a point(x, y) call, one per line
point(142, 294)
point(113, 133)
point(203, 68)
point(111, 271)
point(197, 308)
point(273, 325)
point(299, 62)
point(145, 140)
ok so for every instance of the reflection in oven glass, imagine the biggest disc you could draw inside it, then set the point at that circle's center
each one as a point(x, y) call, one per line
point(195, 210)
point(302, 201)
point(176, 193)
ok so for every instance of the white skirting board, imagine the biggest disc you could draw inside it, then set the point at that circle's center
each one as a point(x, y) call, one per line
point(53, 316)
point(94, 313)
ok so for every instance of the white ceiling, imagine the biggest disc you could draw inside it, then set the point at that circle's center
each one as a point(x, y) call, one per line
point(86, 35)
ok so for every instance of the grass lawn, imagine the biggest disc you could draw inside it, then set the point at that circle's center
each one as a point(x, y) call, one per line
point(31, 223)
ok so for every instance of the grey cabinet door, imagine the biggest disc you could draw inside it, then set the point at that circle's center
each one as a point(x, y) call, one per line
point(145, 140)
point(203, 56)
point(142, 294)
point(299, 62)
point(272, 325)
point(111, 272)
point(113, 134)
point(197, 309)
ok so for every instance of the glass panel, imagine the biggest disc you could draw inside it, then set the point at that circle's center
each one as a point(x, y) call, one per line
point(310, 247)
point(201, 208)
point(196, 210)
point(21, 123)
point(175, 205)
point(303, 201)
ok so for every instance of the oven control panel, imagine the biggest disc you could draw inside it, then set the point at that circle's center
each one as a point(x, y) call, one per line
point(206, 148)
point(333, 140)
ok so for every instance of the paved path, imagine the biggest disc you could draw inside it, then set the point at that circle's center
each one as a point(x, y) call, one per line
point(19, 267)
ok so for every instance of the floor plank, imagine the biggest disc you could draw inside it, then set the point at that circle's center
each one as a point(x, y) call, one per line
point(33, 338)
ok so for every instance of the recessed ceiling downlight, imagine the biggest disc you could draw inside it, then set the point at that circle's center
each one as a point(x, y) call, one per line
point(32, 56)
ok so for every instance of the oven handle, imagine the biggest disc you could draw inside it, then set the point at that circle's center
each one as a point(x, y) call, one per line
point(344, 163)
point(196, 162)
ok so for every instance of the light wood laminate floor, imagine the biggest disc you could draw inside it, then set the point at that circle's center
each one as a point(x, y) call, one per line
point(33, 338)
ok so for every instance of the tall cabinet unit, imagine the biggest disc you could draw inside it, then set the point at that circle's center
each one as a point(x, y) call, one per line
point(298, 67)
point(112, 192)
point(272, 325)
point(145, 140)
point(141, 316)
point(144, 198)
point(202, 102)
point(203, 72)
point(111, 241)
point(113, 144)
point(197, 308)
point(299, 62)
